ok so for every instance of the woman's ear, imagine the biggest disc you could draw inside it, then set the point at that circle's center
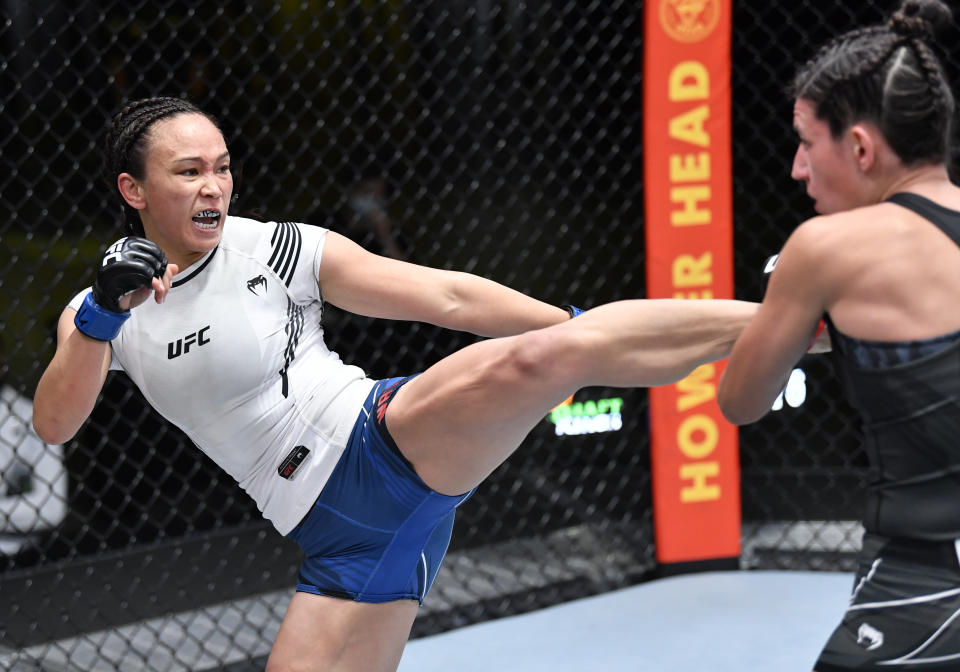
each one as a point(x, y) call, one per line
point(864, 147)
point(131, 191)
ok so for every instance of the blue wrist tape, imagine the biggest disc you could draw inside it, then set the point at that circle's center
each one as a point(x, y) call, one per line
point(97, 322)
point(573, 310)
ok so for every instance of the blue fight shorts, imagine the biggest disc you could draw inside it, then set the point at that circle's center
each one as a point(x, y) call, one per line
point(376, 533)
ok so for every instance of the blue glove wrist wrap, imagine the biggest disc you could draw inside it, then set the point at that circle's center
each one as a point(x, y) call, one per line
point(97, 322)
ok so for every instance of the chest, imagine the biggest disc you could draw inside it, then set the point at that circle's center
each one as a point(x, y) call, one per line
point(217, 339)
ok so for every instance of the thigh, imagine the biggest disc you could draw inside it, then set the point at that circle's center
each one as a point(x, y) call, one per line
point(330, 634)
point(465, 415)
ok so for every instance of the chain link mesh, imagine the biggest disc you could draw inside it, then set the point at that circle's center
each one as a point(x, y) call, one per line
point(498, 137)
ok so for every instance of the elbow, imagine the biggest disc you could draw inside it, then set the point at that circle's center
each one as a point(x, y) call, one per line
point(736, 411)
point(49, 430)
point(735, 416)
point(729, 412)
point(740, 412)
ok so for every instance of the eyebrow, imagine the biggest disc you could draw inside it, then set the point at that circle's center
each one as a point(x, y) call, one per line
point(225, 155)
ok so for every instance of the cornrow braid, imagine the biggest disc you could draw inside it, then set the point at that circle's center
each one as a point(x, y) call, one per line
point(919, 21)
point(941, 98)
point(843, 68)
point(126, 141)
point(888, 75)
point(828, 52)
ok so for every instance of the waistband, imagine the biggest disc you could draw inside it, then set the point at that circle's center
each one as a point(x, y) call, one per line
point(945, 553)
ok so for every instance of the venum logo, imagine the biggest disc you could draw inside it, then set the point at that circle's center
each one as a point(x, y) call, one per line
point(256, 284)
point(869, 637)
point(182, 345)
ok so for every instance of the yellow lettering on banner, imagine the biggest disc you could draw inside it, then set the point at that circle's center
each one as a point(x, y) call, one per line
point(689, 126)
point(699, 491)
point(691, 271)
point(689, 80)
point(690, 167)
point(697, 388)
point(698, 436)
point(695, 294)
point(690, 214)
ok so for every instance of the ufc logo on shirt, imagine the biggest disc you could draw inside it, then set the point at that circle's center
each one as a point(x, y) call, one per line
point(182, 345)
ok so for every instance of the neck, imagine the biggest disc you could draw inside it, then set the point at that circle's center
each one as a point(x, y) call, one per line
point(919, 180)
point(176, 253)
point(183, 261)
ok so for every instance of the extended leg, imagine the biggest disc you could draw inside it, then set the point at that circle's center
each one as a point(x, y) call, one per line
point(466, 414)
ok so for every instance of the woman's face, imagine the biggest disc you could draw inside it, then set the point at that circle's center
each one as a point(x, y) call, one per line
point(187, 186)
point(827, 166)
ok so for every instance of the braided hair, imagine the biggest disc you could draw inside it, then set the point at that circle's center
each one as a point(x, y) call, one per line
point(887, 75)
point(127, 139)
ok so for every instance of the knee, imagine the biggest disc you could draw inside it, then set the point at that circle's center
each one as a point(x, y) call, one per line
point(536, 355)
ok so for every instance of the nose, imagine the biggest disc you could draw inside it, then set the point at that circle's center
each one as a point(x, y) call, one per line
point(800, 170)
point(210, 188)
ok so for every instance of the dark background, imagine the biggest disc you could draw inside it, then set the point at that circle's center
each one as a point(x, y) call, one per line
point(506, 139)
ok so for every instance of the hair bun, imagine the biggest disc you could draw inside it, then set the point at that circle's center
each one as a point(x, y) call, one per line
point(920, 18)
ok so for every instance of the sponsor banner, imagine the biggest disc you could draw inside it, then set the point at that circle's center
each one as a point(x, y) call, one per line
point(591, 416)
point(689, 243)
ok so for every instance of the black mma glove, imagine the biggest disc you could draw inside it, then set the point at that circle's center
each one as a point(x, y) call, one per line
point(128, 265)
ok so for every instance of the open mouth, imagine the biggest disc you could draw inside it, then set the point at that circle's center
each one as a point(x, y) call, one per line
point(207, 219)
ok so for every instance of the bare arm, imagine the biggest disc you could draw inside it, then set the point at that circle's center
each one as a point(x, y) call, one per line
point(71, 382)
point(780, 334)
point(69, 387)
point(364, 283)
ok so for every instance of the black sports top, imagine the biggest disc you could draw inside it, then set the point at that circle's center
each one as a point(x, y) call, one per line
point(908, 395)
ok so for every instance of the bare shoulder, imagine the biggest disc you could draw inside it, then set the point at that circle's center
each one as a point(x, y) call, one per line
point(816, 237)
point(844, 233)
point(339, 251)
point(829, 250)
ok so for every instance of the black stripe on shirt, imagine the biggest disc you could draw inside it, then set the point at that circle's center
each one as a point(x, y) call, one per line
point(293, 329)
point(286, 241)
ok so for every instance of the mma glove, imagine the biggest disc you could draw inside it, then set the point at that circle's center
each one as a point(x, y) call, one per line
point(128, 265)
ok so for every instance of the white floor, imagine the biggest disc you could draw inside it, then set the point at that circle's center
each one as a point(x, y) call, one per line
point(738, 621)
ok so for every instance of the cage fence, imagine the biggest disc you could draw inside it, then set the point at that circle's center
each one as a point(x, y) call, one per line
point(498, 137)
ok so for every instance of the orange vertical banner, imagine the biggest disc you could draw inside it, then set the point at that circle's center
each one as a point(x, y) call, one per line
point(689, 242)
